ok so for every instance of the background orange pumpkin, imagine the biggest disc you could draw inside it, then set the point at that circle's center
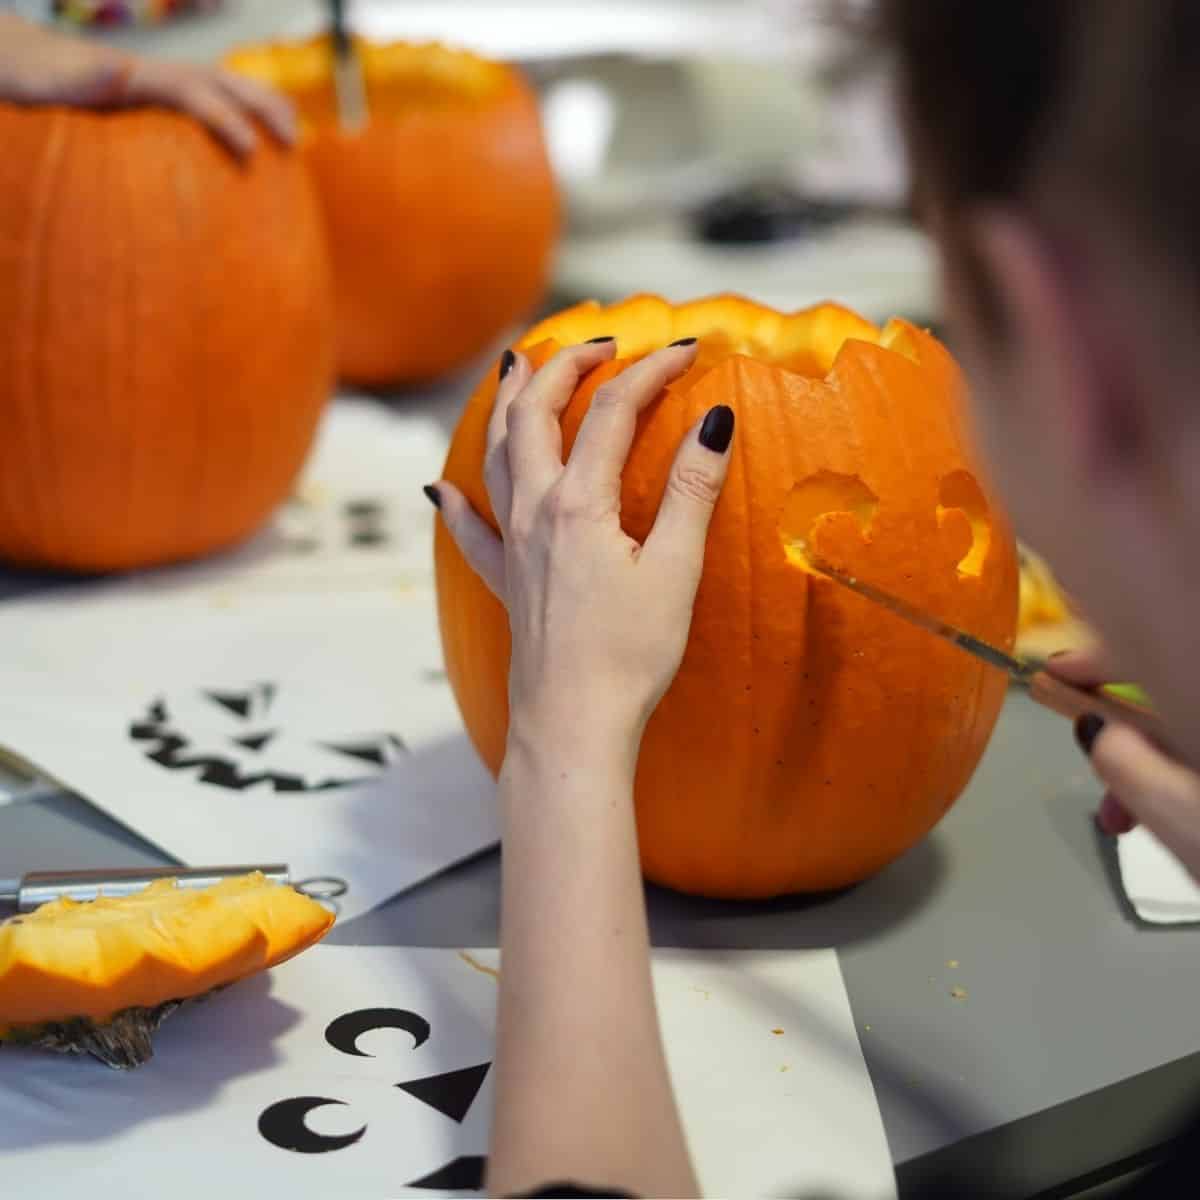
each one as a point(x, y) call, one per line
point(809, 737)
point(165, 337)
point(442, 212)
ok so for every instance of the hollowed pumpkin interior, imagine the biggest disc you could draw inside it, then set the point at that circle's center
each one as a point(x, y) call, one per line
point(400, 77)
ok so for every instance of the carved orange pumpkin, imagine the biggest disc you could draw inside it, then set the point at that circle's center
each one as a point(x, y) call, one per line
point(166, 339)
point(810, 737)
point(442, 212)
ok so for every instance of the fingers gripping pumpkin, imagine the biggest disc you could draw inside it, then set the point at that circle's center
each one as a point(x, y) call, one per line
point(809, 737)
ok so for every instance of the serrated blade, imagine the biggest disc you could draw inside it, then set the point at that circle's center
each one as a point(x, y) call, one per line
point(1020, 672)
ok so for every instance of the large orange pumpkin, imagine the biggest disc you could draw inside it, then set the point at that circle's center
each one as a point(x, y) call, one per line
point(165, 337)
point(809, 737)
point(442, 211)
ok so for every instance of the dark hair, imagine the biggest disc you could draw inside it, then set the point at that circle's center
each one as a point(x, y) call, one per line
point(1072, 104)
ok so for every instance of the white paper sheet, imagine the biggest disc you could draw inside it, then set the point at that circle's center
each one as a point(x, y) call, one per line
point(356, 519)
point(767, 1068)
point(282, 729)
point(1155, 881)
point(282, 702)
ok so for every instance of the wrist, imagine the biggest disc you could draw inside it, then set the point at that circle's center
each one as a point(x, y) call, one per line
point(564, 743)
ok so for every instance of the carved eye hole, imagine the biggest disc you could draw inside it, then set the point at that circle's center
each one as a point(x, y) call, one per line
point(958, 492)
point(811, 498)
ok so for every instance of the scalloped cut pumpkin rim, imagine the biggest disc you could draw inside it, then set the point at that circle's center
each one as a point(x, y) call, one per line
point(894, 336)
point(300, 65)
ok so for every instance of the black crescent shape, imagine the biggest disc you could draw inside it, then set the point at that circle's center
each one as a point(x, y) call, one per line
point(343, 1032)
point(283, 1125)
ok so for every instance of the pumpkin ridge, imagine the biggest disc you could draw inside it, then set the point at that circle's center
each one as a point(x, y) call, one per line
point(746, 824)
point(44, 192)
point(124, 360)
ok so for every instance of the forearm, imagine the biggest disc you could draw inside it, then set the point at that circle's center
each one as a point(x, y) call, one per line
point(582, 1091)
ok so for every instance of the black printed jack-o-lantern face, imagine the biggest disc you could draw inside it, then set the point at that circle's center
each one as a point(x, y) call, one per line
point(238, 740)
point(451, 1094)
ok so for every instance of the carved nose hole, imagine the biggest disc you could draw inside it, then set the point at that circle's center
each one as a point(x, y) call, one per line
point(814, 497)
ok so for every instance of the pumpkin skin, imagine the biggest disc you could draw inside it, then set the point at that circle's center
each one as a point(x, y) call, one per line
point(442, 212)
point(809, 738)
point(166, 337)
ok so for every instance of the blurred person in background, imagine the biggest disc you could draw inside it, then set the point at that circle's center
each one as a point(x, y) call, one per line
point(40, 66)
point(1055, 155)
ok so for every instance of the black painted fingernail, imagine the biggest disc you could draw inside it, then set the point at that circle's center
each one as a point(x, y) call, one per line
point(682, 342)
point(717, 431)
point(433, 495)
point(1087, 730)
point(507, 361)
point(597, 341)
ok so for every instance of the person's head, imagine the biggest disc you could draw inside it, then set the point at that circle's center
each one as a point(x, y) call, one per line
point(1054, 147)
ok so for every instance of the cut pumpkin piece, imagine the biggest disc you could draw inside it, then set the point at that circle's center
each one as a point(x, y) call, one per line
point(99, 977)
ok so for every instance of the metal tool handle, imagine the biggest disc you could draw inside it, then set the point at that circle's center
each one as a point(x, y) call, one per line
point(40, 887)
point(1075, 702)
point(337, 21)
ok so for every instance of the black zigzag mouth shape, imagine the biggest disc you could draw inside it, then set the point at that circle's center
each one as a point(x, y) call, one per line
point(170, 749)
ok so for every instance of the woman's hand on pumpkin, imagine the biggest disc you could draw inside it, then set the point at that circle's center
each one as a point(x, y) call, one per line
point(1143, 785)
point(599, 623)
point(40, 66)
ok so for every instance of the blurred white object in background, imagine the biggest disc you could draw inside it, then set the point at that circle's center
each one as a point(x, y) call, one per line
point(656, 108)
point(879, 268)
point(528, 30)
point(579, 116)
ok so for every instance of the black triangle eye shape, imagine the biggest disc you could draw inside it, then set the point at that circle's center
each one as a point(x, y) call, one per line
point(453, 1093)
point(242, 704)
point(464, 1174)
point(256, 741)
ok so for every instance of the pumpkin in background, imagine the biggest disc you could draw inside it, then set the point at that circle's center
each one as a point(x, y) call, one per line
point(165, 337)
point(442, 211)
point(809, 737)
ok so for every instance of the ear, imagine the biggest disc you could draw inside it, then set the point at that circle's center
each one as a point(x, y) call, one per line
point(1067, 344)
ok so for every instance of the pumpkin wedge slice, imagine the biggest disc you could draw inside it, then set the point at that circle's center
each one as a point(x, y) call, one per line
point(99, 977)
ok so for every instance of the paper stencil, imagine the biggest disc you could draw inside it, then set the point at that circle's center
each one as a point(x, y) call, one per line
point(282, 729)
point(366, 1072)
point(284, 701)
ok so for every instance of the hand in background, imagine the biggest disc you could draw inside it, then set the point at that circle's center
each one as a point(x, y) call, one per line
point(1144, 785)
point(40, 66)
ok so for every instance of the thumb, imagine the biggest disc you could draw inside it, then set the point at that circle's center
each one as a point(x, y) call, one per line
point(697, 475)
point(475, 538)
point(1152, 788)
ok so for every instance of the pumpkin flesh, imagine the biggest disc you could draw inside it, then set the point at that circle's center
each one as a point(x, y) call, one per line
point(809, 737)
point(93, 960)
